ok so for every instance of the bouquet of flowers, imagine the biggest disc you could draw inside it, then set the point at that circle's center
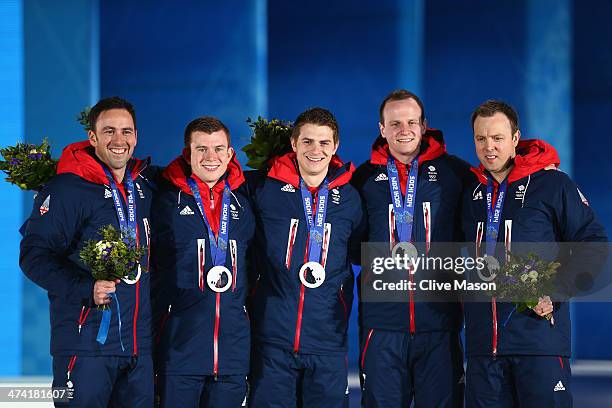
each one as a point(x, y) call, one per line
point(270, 139)
point(115, 256)
point(525, 279)
point(27, 165)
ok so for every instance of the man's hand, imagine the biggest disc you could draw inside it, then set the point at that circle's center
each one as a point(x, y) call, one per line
point(544, 308)
point(101, 290)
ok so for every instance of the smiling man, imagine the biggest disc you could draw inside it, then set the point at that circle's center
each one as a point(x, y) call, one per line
point(98, 182)
point(517, 357)
point(306, 212)
point(203, 225)
point(411, 350)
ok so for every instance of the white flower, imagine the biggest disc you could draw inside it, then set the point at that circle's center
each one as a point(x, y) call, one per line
point(524, 277)
point(533, 274)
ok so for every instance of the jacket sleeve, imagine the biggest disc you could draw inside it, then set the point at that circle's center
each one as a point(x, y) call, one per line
point(47, 240)
point(360, 228)
point(585, 240)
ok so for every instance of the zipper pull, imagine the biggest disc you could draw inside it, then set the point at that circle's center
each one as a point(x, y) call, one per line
point(212, 199)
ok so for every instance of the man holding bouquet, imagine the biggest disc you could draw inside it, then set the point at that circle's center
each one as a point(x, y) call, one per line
point(203, 225)
point(100, 329)
point(516, 357)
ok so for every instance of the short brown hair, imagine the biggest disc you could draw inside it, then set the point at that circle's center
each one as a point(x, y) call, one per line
point(400, 95)
point(206, 124)
point(103, 105)
point(316, 116)
point(491, 107)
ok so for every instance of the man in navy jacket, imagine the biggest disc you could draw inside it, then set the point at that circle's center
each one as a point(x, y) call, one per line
point(519, 358)
point(306, 212)
point(203, 225)
point(411, 349)
point(97, 181)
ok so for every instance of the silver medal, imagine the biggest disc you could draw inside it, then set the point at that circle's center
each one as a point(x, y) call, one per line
point(133, 281)
point(312, 274)
point(219, 279)
point(405, 248)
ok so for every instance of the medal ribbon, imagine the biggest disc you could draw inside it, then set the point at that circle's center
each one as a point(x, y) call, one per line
point(404, 210)
point(316, 222)
point(218, 246)
point(127, 226)
point(105, 323)
point(494, 215)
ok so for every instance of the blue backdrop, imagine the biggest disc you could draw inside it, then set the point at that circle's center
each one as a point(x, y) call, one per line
point(275, 58)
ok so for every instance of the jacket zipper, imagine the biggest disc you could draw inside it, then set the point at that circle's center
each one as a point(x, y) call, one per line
point(136, 318)
point(365, 348)
point(216, 336)
point(218, 311)
point(298, 324)
point(162, 324)
point(341, 296)
point(82, 317)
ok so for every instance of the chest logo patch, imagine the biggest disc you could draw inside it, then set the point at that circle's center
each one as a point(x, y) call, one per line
point(432, 173)
point(381, 177)
point(186, 211)
point(519, 193)
point(288, 188)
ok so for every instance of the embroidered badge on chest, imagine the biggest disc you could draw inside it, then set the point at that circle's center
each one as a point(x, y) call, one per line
point(186, 211)
point(107, 193)
point(381, 177)
point(140, 193)
point(519, 193)
point(335, 196)
point(288, 188)
point(477, 196)
point(234, 212)
point(432, 173)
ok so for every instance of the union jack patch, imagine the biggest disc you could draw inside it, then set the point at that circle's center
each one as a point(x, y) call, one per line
point(582, 197)
point(44, 208)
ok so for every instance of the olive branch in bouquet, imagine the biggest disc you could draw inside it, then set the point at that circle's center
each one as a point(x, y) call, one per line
point(270, 138)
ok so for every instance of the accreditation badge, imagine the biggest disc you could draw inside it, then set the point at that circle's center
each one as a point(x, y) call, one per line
point(219, 279)
point(312, 274)
point(136, 279)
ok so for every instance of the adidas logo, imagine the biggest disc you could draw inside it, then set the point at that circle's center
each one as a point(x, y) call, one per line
point(186, 211)
point(288, 188)
point(559, 387)
point(107, 193)
point(381, 177)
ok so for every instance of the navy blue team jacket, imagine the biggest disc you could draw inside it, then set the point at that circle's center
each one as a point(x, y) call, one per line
point(199, 331)
point(436, 219)
point(285, 312)
point(67, 213)
point(542, 205)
